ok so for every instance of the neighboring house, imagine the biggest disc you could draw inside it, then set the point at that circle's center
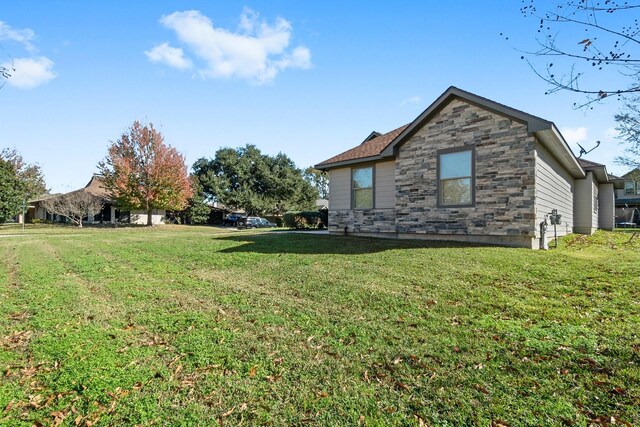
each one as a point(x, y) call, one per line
point(628, 199)
point(467, 169)
point(322, 204)
point(109, 213)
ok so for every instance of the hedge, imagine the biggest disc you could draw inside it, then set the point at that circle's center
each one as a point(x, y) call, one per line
point(305, 219)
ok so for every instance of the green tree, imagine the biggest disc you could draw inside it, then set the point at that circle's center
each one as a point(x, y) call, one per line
point(11, 192)
point(245, 178)
point(319, 180)
point(197, 211)
point(628, 127)
point(142, 172)
point(30, 175)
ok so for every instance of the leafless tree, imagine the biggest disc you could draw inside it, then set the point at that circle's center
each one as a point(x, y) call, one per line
point(595, 42)
point(74, 206)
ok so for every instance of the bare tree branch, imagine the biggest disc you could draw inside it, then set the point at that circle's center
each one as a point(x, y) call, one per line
point(74, 206)
point(602, 44)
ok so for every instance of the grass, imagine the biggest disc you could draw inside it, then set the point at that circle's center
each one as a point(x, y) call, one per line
point(197, 326)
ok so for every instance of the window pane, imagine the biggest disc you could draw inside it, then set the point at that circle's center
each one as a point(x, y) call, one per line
point(363, 199)
point(629, 187)
point(455, 191)
point(455, 165)
point(363, 178)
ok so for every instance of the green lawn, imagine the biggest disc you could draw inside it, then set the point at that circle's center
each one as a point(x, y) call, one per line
point(197, 326)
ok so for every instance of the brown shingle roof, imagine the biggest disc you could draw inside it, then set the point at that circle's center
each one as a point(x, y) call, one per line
point(369, 148)
point(589, 164)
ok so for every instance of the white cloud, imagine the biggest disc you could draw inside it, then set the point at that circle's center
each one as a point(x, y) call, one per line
point(575, 136)
point(23, 36)
point(28, 73)
point(610, 133)
point(412, 100)
point(258, 51)
point(171, 56)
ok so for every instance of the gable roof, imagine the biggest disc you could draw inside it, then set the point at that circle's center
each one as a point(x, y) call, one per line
point(387, 145)
point(96, 187)
point(599, 170)
point(633, 173)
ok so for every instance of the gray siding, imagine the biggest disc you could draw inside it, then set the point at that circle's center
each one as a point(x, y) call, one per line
point(385, 185)
point(585, 220)
point(340, 188)
point(606, 217)
point(553, 190)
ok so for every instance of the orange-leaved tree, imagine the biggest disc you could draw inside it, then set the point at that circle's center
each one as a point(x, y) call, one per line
point(142, 172)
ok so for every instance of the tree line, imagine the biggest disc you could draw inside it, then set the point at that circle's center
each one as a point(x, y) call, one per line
point(142, 172)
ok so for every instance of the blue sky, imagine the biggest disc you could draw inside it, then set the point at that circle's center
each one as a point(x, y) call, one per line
point(309, 79)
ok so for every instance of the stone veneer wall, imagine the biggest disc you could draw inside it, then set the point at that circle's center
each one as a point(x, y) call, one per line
point(505, 176)
point(362, 221)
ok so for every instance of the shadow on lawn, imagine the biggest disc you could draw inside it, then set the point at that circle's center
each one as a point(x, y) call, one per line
point(294, 243)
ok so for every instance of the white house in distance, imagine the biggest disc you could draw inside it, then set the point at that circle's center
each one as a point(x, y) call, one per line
point(467, 169)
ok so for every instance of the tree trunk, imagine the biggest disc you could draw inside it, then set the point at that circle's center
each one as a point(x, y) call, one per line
point(149, 217)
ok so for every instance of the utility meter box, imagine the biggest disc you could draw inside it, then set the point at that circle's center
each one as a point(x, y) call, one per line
point(555, 217)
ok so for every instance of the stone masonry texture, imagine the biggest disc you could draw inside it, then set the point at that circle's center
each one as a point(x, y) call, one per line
point(505, 175)
point(504, 179)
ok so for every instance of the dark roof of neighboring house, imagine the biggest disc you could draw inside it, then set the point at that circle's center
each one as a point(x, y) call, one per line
point(386, 146)
point(632, 173)
point(589, 164)
point(628, 202)
point(95, 187)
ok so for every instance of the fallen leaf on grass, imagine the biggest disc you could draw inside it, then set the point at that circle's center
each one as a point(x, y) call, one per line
point(481, 388)
point(252, 371)
point(9, 406)
point(403, 386)
point(58, 417)
point(229, 412)
point(322, 394)
point(619, 391)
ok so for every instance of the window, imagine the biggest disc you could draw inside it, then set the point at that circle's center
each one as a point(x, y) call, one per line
point(362, 188)
point(629, 187)
point(455, 177)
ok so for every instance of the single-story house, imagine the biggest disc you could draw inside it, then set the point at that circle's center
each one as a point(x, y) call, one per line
point(468, 169)
point(109, 214)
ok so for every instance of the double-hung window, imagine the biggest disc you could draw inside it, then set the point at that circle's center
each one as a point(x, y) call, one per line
point(456, 182)
point(629, 187)
point(362, 187)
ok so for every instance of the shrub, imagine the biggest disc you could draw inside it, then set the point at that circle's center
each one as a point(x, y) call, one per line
point(305, 219)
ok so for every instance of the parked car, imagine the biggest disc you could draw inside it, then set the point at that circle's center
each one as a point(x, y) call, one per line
point(264, 223)
point(232, 220)
point(254, 222)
